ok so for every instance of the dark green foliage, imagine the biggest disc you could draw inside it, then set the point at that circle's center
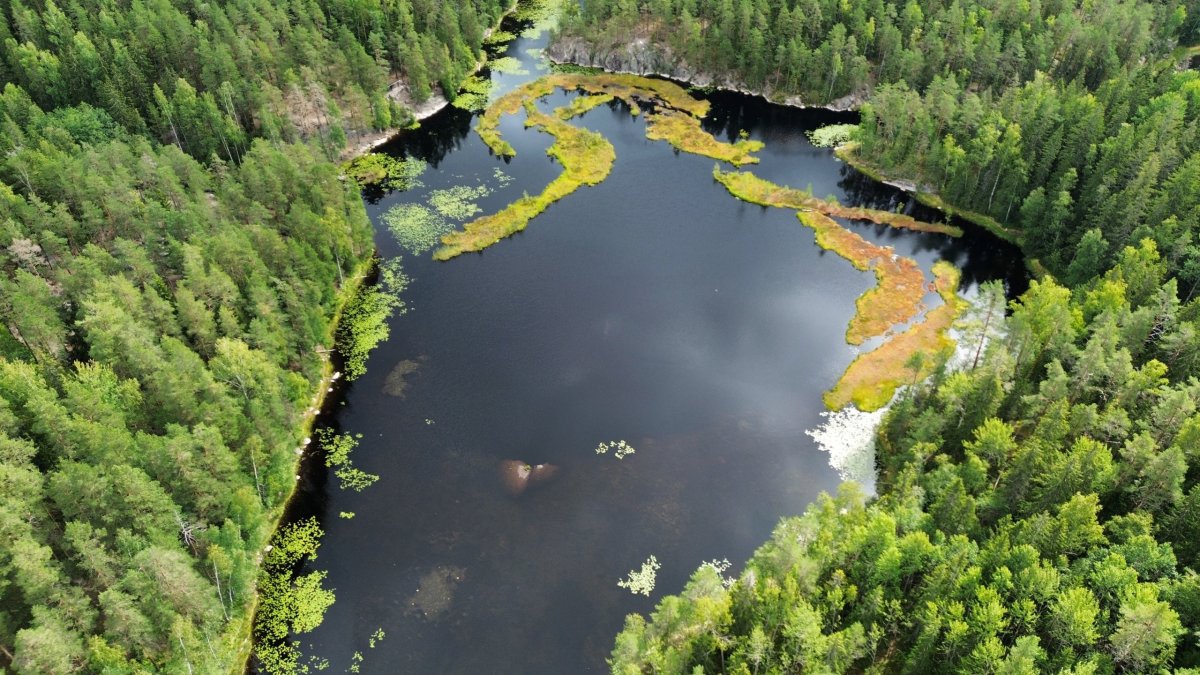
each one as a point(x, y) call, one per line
point(1080, 173)
point(1069, 123)
point(168, 324)
point(210, 75)
point(1057, 535)
point(823, 50)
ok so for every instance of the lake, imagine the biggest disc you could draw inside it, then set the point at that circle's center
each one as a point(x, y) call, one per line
point(653, 308)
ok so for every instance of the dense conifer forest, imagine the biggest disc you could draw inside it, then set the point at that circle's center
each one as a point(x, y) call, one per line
point(178, 246)
point(210, 75)
point(173, 260)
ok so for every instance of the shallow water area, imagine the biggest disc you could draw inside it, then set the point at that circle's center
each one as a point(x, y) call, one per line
point(653, 308)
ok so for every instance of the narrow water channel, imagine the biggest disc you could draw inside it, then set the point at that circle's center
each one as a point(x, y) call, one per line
point(653, 308)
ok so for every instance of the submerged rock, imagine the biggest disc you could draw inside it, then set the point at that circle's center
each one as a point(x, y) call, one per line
point(517, 475)
point(435, 594)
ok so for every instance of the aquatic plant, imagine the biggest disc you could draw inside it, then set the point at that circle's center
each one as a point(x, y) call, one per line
point(848, 436)
point(502, 179)
point(363, 322)
point(473, 94)
point(506, 65)
point(622, 448)
point(458, 202)
point(337, 449)
point(642, 581)
point(831, 135)
point(416, 227)
point(386, 171)
point(288, 603)
point(586, 158)
point(396, 383)
point(499, 37)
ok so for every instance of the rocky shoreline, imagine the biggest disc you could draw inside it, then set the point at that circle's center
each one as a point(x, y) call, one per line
point(640, 57)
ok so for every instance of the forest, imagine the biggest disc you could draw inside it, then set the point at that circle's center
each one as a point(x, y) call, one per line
point(209, 76)
point(175, 257)
point(179, 247)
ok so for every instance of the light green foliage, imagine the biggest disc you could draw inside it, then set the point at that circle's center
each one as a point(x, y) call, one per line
point(1032, 517)
point(641, 580)
point(832, 135)
point(622, 449)
point(364, 320)
point(458, 202)
point(416, 227)
point(289, 603)
point(506, 65)
point(386, 171)
point(474, 93)
point(337, 449)
point(175, 320)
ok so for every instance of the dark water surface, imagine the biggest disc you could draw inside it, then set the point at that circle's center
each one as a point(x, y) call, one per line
point(653, 308)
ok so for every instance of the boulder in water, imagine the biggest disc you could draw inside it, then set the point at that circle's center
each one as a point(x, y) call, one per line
point(517, 475)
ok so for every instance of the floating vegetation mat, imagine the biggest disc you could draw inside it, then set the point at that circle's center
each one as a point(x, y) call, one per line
point(506, 65)
point(391, 173)
point(416, 227)
point(586, 156)
point(458, 202)
point(684, 133)
point(474, 93)
point(872, 379)
point(419, 227)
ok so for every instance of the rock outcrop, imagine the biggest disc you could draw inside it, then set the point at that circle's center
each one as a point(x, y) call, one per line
point(640, 56)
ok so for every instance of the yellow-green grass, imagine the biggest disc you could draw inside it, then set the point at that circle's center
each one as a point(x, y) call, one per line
point(748, 187)
point(872, 379)
point(896, 297)
point(581, 105)
point(628, 88)
point(586, 156)
point(683, 131)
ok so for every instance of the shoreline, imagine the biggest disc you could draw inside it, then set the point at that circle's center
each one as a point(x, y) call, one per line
point(558, 54)
point(244, 640)
point(845, 152)
point(437, 102)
